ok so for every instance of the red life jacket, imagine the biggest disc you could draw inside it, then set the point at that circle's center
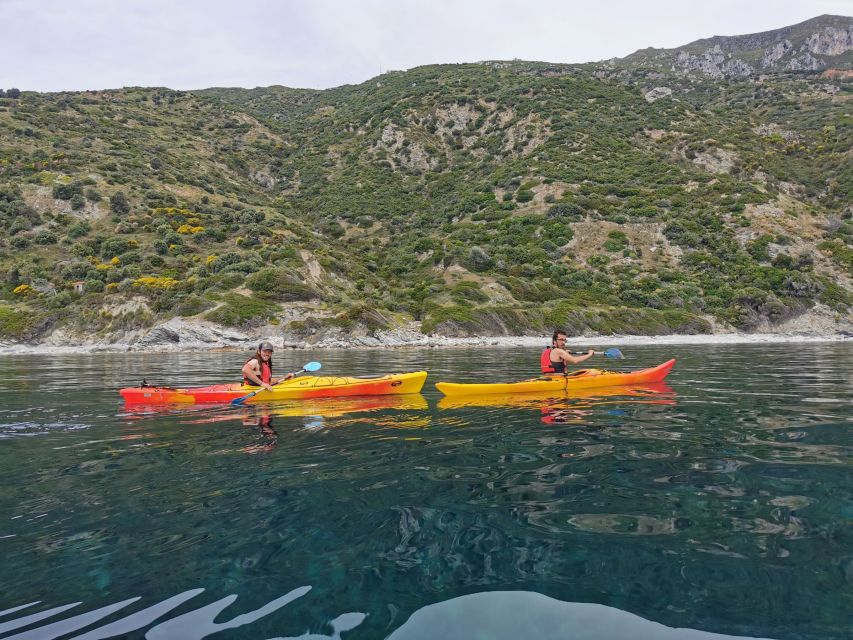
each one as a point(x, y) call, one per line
point(547, 365)
point(266, 372)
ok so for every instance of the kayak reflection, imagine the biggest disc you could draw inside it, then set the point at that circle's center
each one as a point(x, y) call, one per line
point(322, 407)
point(557, 408)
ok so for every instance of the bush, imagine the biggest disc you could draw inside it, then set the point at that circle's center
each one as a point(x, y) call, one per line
point(479, 260)
point(241, 311)
point(79, 229)
point(45, 237)
point(119, 203)
point(566, 212)
point(192, 305)
point(116, 246)
point(67, 191)
point(77, 202)
point(276, 284)
point(93, 285)
point(14, 324)
point(467, 291)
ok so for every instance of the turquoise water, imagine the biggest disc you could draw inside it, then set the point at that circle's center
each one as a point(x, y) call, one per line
point(721, 502)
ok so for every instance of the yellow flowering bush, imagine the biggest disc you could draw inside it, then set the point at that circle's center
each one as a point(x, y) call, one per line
point(189, 229)
point(24, 290)
point(156, 282)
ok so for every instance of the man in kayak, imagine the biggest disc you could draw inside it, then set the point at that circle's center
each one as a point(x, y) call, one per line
point(555, 358)
point(258, 369)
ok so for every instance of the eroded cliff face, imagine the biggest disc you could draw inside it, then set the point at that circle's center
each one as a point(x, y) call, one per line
point(788, 49)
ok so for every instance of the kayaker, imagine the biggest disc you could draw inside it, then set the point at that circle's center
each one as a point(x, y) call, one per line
point(258, 369)
point(555, 358)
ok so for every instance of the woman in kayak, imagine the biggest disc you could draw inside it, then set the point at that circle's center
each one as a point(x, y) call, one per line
point(555, 358)
point(258, 369)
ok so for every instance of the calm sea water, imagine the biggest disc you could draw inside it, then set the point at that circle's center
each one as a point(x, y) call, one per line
point(719, 503)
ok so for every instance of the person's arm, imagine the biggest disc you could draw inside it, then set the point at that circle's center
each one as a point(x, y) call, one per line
point(568, 358)
point(253, 372)
point(282, 379)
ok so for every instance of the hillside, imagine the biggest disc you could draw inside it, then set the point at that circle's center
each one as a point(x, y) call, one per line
point(633, 196)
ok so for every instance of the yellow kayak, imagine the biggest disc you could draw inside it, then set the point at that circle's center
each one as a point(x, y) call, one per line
point(299, 388)
point(557, 383)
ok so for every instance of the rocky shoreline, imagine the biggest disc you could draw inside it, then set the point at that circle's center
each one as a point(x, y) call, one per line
point(178, 334)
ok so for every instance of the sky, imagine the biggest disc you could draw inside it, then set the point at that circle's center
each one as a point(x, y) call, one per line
point(73, 45)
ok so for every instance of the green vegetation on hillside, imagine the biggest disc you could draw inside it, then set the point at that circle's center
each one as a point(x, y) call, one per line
point(493, 197)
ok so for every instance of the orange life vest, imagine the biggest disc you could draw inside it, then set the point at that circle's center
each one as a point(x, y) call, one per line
point(266, 372)
point(548, 366)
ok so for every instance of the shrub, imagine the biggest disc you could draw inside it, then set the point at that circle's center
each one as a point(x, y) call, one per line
point(479, 260)
point(566, 211)
point(77, 202)
point(45, 237)
point(241, 311)
point(192, 305)
point(93, 285)
point(15, 324)
point(79, 229)
point(276, 284)
point(67, 191)
point(616, 241)
point(115, 246)
point(467, 291)
point(119, 203)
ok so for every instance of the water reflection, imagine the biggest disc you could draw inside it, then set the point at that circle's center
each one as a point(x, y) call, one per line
point(325, 407)
point(568, 408)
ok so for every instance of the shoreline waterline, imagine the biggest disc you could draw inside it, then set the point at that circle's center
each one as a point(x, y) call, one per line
point(433, 342)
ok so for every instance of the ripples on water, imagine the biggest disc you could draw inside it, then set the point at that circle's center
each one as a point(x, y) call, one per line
point(717, 501)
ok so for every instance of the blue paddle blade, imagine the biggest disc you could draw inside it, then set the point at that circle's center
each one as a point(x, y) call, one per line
point(312, 366)
point(613, 353)
point(239, 401)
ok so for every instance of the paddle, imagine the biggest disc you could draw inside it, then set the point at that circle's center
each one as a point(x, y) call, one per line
point(610, 353)
point(310, 366)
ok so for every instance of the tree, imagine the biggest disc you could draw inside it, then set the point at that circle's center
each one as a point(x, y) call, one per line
point(13, 93)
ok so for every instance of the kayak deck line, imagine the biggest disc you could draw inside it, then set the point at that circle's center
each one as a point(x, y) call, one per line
point(299, 388)
point(582, 379)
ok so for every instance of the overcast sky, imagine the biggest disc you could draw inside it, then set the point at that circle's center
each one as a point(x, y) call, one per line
point(55, 45)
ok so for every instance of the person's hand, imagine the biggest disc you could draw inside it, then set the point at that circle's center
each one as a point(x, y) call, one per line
point(268, 387)
point(289, 376)
point(590, 352)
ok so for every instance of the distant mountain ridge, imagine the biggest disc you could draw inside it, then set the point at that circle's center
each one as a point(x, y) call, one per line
point(816, 44)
